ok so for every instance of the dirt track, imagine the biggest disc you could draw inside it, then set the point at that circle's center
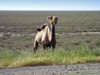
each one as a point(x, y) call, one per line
point(91, 69)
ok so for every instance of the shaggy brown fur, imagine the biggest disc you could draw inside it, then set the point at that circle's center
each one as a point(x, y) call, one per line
point(46, 34)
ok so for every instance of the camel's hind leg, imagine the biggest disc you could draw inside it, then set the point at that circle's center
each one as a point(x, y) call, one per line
point(46, 46)
point(35, 46)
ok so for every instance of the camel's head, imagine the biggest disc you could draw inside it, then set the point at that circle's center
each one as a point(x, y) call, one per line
point(53, 19)
point(42, 27)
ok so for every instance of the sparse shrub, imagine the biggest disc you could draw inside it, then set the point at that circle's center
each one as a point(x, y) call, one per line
point(2, 45)
point(76, 43)
point(98, 43)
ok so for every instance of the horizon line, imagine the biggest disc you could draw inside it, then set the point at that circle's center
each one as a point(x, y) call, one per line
point(49, 10)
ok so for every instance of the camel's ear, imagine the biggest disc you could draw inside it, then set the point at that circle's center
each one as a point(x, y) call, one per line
point(38, 29)
point(50, 17)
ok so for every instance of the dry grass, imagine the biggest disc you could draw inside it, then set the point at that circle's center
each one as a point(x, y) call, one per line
point(58, 57)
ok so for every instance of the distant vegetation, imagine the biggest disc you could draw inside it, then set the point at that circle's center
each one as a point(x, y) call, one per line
point(18, 29)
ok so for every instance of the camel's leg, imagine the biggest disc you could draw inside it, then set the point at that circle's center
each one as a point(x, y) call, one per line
point(53, 43)
point(44, 47)
point(49, 45)
point(53, 46)
point(35, 46)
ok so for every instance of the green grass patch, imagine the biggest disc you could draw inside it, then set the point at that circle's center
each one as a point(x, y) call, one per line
point(59, 56)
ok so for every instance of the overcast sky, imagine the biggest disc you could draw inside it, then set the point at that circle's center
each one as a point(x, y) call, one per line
point(49, 4)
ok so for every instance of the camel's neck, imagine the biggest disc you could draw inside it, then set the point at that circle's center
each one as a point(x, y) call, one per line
point(53, 32)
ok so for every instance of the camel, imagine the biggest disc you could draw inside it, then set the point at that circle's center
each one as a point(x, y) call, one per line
point(46, 34)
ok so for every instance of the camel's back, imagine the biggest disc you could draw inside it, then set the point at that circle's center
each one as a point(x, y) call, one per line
point(44, 35)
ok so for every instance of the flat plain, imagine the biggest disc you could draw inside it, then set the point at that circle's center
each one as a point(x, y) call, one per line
point(76, 32)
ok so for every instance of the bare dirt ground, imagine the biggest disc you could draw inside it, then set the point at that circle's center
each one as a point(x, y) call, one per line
point(78, 33)
point(84, 69)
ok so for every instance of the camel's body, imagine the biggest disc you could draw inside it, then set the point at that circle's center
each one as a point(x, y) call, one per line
point(46, 35)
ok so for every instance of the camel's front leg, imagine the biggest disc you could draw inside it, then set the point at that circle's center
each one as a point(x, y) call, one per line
point(53, 43)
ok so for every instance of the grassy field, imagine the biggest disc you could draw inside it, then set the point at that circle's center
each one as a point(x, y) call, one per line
point(18, 29)
point(9, 59)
